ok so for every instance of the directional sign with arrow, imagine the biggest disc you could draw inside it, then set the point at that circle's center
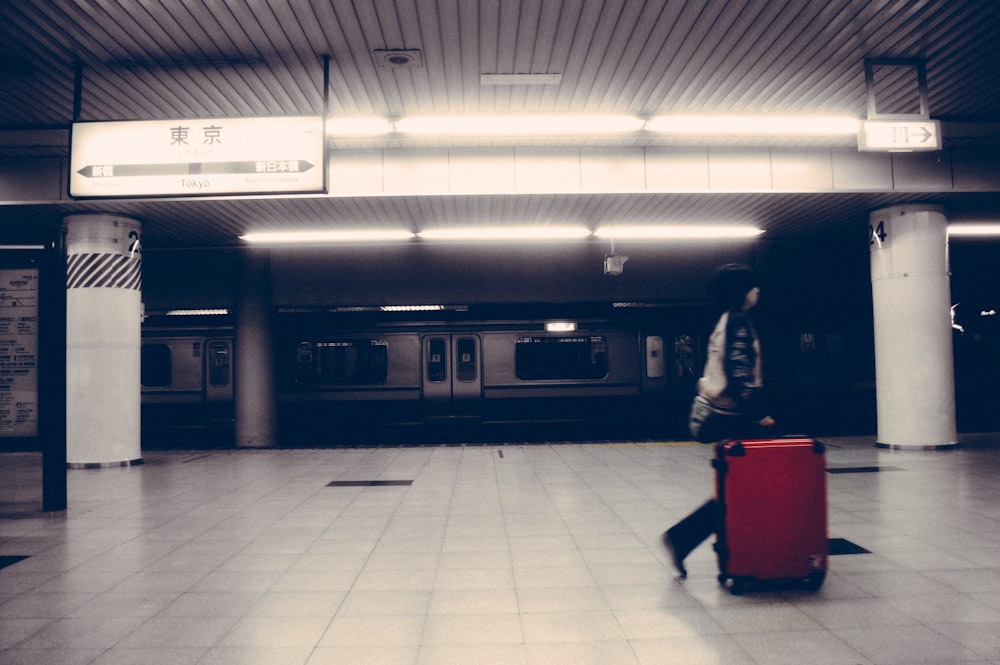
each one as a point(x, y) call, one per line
point(197, 157)
point(899, 135)
point(194, 168)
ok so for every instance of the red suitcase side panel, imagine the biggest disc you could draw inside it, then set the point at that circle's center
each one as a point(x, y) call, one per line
point(775, 514)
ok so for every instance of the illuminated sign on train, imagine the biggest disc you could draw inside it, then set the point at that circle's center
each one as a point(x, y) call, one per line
point(197, 157)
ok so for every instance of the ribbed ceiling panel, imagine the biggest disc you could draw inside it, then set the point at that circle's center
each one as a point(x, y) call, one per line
point(160, 59)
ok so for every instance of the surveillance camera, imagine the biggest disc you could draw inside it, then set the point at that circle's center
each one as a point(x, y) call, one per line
point(614, 264)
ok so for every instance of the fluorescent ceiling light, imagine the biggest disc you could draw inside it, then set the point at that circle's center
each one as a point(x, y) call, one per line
point(978, 229)
point(520, 125)
point(678, 232)
point(196, 312)
point(506, 233)
point(753, 125)
point(412, 308)
point(289, 237)
point(358, 126)
point(560, 326)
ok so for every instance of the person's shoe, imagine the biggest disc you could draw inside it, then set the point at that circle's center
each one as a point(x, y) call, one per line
point(678, 562)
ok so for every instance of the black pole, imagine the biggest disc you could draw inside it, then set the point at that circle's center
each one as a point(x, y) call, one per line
point(326, 114)
point(52, 373)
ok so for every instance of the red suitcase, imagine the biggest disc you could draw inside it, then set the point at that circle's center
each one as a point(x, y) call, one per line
point(772, 510)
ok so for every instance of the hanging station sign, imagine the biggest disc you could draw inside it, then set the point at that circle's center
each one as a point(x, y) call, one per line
point(197, 157)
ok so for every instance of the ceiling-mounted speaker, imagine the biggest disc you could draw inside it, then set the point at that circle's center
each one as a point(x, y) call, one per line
point(398, 58)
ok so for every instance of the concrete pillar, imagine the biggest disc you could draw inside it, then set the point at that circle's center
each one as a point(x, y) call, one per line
point(911, 294)
point(254, 382)
point(103, 322)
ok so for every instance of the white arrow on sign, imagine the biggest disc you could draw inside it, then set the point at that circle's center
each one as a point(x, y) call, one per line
point(899, 135)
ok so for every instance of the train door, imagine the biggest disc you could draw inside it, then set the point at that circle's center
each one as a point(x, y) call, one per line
point(452, 376)
point(218, 379)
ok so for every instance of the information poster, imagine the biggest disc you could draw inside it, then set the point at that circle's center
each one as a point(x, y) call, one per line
point(19, 352)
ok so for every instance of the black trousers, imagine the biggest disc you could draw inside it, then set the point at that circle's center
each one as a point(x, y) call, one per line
point(694, 529)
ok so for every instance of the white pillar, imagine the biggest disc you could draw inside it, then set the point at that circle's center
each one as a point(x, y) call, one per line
point(103, 321)
point(911, 294)
point(255, 395)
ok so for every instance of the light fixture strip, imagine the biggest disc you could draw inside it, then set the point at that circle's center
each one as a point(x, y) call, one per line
point(519, 125)
point(678, 232)
point(522, 233)
point(753, 125)
point(330, 236)
point(707, 126)
point(978, 229)
point(196, 312)
point(509, 233)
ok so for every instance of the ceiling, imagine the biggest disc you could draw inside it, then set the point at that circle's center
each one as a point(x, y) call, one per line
point(62, 60)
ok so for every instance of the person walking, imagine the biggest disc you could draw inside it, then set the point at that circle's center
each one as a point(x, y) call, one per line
point(729, 401)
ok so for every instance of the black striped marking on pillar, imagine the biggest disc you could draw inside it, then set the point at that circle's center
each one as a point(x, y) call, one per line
point(111, 271)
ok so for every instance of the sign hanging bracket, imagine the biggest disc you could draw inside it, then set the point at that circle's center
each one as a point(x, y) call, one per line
point(899, 117)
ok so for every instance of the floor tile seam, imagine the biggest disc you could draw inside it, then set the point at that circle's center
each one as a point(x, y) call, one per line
point(147, 619)
point(590, 566)
point(505, 514)
point(612, 508)
point(77, 567)
point(368, 558)
point(955, 644)
point(831, 632)
point(984, 652)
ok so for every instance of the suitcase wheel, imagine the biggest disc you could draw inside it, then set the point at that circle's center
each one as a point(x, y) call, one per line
point(815, 580)
point(737, 585)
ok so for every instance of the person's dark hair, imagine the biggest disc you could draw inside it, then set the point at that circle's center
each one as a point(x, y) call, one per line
point(731, 283)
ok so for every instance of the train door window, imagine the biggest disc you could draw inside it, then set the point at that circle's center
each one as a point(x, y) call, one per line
point(684, 356)
point(156, 366)
point(540, 358)
point(437, 360)
point(654, 357)
point(218, 363)
point(466, 368)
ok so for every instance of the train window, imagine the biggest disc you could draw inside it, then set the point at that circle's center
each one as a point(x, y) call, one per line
point(437, 360)
point(156, 366)
point(465, 359)
point(538, 358)
point(349, 362)
point(218, 367)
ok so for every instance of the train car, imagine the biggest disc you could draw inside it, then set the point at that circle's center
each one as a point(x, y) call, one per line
point(364, 377)
point(582, 372)
point(465, 377)
point(187, 384)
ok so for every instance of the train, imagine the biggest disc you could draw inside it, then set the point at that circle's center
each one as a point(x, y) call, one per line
point(377, 375)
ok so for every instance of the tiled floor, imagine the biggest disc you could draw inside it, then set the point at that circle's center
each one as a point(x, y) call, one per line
point(529, 555)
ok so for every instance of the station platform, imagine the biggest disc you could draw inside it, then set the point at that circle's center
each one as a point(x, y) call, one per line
point(535, 554)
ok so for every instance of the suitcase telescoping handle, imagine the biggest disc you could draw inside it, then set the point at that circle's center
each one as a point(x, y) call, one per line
point(737, 449)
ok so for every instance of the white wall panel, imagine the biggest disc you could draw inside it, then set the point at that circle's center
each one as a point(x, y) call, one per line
point(612, 170)
point(481, 171)
point(677, 170)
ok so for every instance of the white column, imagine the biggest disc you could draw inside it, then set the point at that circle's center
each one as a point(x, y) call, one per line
point(254, 382)
point(911, 294)
point(103, 321)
